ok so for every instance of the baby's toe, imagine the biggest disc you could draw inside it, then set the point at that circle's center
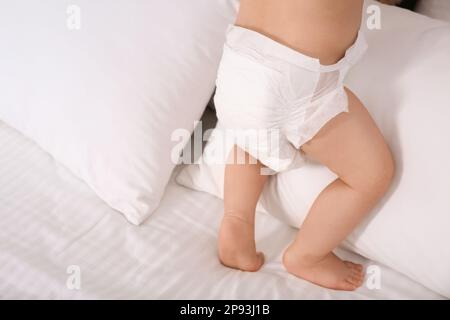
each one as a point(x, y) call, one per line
point(356, 275)
point(348, 286)
point(355, 269)
point(353, 266)
point(354, 281)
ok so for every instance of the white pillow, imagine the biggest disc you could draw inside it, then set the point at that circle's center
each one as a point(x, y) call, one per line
point(404, 82)
point(438, 9)
point(102, 85)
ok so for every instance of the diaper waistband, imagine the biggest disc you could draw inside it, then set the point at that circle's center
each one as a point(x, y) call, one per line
point(239, 36)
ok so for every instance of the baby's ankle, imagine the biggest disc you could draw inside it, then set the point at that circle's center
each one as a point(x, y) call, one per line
point(298, 258)
point(244, 217)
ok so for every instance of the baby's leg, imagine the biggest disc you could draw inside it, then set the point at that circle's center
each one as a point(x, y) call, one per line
point(351, 146)
point(243, 186)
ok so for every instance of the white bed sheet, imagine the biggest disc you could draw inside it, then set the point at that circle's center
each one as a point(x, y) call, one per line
point(49, 221)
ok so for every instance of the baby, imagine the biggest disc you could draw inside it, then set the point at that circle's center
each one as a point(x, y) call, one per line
point(282, 71)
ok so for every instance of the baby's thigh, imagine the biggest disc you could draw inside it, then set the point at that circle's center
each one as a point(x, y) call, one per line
point(352, 146)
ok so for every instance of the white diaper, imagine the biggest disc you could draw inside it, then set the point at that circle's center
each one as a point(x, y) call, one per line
point(272, 99)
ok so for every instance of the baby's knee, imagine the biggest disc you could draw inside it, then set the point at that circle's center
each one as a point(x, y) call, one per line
point(378, 176)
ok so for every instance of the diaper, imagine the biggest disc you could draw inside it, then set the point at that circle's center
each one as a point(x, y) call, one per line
point(271, 99)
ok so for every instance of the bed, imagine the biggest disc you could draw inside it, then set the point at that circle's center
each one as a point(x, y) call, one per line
point(52, 222)
point(85, 208)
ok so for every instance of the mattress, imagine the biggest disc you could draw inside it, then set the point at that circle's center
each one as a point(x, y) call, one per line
point(54, 228)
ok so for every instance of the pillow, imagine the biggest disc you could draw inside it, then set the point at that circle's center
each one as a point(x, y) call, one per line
point(406, 90)
point(438, 9)
point(102, 85)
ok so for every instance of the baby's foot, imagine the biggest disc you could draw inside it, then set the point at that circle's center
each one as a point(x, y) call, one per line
point(237, 245)
point(330, 272)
